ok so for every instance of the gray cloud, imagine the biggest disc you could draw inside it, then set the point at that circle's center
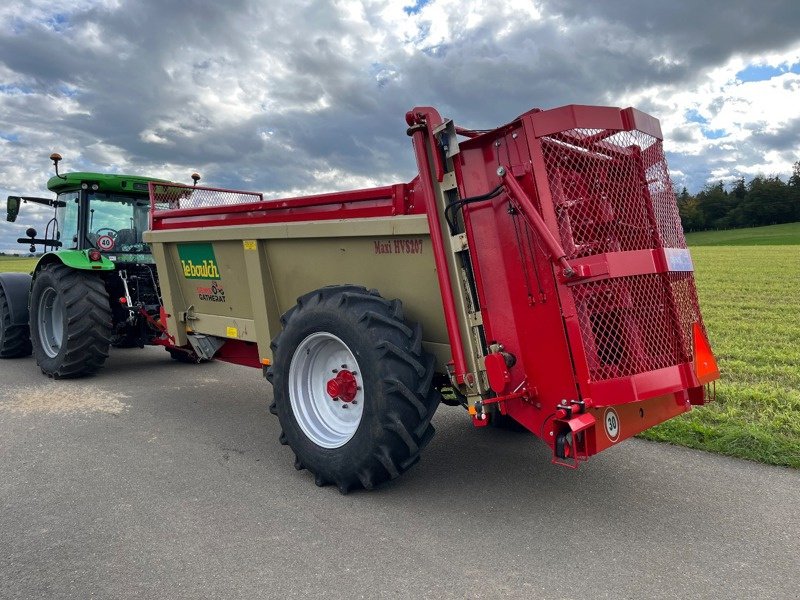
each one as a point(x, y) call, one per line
point(268, 97)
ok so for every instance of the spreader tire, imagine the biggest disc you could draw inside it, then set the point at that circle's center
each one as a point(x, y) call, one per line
point(70, 321)
point(15, 340)
point(381, 422)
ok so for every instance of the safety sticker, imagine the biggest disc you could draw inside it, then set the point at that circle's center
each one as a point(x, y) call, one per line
point(231, 332)
point(105, 242)
point(611, 420)
point(250, 245)
point(679, 259)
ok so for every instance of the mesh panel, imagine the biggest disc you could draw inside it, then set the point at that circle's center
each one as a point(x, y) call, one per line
point(611, 192)
point(687, 308)
point(636, 324)
point(166, 197)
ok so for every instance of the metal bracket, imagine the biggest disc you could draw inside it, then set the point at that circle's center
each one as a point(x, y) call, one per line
point(449, 181)
point(205, 346)
point(187, 315)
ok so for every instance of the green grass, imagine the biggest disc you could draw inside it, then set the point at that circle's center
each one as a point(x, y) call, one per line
point(774, 235)
point(750, 299)
point(16, 264)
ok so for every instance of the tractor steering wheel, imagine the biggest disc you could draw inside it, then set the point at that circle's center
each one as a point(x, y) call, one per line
point(111, 232)
point(105, 239)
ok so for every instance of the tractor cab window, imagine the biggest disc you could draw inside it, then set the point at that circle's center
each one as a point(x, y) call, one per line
point(67, 218)
point(116, 222)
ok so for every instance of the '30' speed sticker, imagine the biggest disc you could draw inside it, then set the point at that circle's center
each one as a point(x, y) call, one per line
point(611, 420)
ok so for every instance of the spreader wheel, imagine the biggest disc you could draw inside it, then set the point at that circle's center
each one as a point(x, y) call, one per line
point(352, 387)
point(70, 321)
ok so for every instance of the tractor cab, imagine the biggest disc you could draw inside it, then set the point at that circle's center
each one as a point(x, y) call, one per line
point(108, 213)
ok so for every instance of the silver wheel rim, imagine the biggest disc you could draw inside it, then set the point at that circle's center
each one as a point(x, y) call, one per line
point(327, 422)
point(51, 322)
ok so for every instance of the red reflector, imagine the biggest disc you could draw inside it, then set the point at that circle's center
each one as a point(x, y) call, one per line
point(705, 365)
point(94, 255)
point(123, 300)
point(497, 372)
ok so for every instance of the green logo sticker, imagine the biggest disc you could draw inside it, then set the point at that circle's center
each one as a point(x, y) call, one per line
point(198, 261)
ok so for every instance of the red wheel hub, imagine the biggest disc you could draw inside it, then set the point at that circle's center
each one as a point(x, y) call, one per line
point(343, 387)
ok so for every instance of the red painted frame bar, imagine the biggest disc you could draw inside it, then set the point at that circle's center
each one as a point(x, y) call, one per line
point(388, 201)
point(620, 264)
point(422, 120)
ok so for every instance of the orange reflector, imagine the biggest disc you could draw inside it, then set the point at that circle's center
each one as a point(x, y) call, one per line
point(705, 365)
point(266, 362)
point(472, 410)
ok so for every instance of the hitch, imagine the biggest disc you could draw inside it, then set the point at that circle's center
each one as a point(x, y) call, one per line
point(571, 433)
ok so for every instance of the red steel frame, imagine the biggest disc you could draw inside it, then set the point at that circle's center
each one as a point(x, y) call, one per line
point(568, 312)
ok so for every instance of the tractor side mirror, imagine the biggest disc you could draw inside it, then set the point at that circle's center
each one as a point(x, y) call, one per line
point(12, 208)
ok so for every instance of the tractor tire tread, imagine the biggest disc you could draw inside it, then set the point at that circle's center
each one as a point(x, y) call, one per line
point(88, 323)
point(15, 340)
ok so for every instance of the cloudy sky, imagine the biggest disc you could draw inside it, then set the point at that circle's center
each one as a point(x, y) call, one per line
point(306, 96)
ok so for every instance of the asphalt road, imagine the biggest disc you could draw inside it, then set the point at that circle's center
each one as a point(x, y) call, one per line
point(155, 479)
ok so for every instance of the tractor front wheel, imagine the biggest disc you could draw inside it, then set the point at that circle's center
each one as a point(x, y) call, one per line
point(70, 321)
point(352, 387)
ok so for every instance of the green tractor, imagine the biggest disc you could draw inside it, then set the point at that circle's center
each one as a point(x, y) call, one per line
point(96, 283)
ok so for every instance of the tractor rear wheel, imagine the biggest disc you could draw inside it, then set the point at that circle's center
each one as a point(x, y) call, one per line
point(15, 340)
point(70, 321)
point(352, 387)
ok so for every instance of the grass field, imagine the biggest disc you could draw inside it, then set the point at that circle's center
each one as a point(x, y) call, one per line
point(750, 298)
point(775, 235)
point(16, 264)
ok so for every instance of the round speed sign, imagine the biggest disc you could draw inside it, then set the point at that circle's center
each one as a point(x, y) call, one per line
point(105, 242)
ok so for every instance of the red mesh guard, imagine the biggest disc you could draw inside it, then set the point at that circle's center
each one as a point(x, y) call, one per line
point(636, 324)
point(611, 192)
point(174, 196)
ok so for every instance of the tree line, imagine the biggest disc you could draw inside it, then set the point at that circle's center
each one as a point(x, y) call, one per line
point(762, 201)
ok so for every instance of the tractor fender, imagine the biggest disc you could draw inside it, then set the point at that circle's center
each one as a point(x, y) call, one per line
point(17, 288)
point(75, 259)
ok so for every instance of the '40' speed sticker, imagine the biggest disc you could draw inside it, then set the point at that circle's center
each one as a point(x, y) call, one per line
point(105, 242)
point(611, 421)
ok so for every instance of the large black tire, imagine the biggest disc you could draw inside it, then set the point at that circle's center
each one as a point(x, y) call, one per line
point(82, 332)
point(15, 340)
point(394, 373)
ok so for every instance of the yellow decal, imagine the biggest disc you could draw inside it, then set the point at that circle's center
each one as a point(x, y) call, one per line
point(249, 244)
point(231, 332)
point(206, 270)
